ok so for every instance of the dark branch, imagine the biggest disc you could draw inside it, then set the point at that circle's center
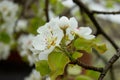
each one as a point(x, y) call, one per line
point(109, 65)
point(94, 21)
point(78, 62)
point(47, 10)
point(105, 13)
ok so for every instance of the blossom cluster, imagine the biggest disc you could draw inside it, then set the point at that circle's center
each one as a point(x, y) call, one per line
point(53, 33)
point(24, 46)
point(8, 13)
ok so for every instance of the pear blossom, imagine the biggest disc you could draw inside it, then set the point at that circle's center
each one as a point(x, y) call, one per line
point(8, 11)
point(34, 75)
point(84, 32)
point(25, 45)
point(68, 25)
point(4, 51)
point(50, 36)
point(72, 29)
point(21, 25)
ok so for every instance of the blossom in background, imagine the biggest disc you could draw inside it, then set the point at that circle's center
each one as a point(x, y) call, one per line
point(50, 36)
point(8, 11)
point(4, 51)
point(25, 45)
point(21, 25)
point(34, 75)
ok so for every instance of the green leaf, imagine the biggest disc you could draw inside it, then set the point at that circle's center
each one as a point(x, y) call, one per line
point(83, 77)
point(83, 44)
point(34, 24)
point(43, 67)
point(90, 73)
point(4, 37)
point(100, 48)
point(57, 62)
point(76, 55)
point(87, 45)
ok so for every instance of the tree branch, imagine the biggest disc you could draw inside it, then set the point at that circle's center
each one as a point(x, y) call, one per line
point(105, 13)
point(94, 21)
point(47, 10)
point(109, 65)
point(78, 62)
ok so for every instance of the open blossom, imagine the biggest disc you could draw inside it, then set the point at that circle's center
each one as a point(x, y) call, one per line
point(84, 32)
point(71, 26)
point(4, 51)
point(68, 25)
point(50, 36)
point(8, 11)
point(24, 48)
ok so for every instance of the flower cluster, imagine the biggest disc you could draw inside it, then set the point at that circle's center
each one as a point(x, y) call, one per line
point(53, 33)
point(24, 43)
point(8, 12)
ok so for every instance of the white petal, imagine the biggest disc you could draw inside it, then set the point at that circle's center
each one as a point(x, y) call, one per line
point(39, 43)
point(73, 23)
point(85, 30)
point(89, 37)
point(64, 22)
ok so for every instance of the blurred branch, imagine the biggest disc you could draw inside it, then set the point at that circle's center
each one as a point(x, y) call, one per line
point(112, 76)
point(94, 21)
point(114, 58)
point(47, 10)
point(105, 13)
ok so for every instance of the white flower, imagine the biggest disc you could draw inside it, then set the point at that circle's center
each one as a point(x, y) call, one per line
point(8, 9)
point(4, 51)
point(34, 75)
point(84, 32)
point(68, 25)
point(21, 25)
point(24, 48)
point(50, 36)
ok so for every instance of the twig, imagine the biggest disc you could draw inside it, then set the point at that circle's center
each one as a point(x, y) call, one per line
point(47, 10)
point(91, 16)
point(112, 76)
point(105, 13)
point(108, 66)
point(78, 62)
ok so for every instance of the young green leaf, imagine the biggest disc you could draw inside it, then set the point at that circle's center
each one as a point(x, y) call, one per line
point(57, 62)
point(43, 67)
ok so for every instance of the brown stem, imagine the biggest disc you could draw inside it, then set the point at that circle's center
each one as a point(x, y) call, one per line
point(78, 62)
